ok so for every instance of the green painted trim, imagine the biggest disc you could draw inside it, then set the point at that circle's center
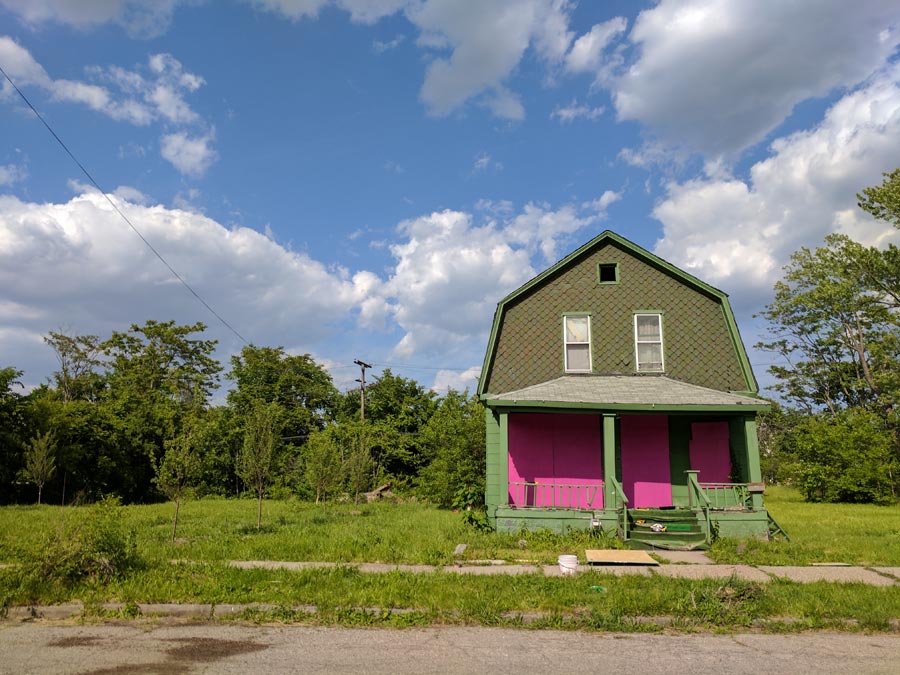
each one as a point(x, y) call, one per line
point(494, 488)
point(503, 467)
point(738, 343)
point(634, 407)
point(615, 265)
point(565, 365)
point(642, 254)
point(753, 469)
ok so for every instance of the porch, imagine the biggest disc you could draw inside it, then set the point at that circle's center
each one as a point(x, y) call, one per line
point(599, 464)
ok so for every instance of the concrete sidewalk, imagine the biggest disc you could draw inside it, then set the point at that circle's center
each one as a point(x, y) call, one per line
point(875, 576)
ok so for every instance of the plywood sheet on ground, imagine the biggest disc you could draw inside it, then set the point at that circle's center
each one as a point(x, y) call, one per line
point(612, 556)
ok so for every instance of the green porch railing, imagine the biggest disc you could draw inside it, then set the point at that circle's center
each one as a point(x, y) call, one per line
point(534, 495)
point(697, 495)
point(724, 496)
point(621, 505)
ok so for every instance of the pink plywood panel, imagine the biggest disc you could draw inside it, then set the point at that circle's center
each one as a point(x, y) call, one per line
point(646, 476)
point(710, 453)
point(555, 448)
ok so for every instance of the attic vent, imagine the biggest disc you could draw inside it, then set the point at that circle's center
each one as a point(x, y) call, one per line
point(608, 273)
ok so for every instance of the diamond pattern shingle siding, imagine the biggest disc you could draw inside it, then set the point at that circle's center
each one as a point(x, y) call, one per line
point(697, 344)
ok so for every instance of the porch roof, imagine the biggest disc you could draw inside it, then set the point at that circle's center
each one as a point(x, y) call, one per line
point(624, 392)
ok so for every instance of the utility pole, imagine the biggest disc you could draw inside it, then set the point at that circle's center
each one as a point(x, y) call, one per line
point(362, 387)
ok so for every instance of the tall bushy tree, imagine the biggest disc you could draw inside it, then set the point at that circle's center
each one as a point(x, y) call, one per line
point(157, 373)
point(12, 426)
point(454, 442)
point(322, 469)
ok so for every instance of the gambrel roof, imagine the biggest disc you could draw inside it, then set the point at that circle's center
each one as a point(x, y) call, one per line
point(543, 296)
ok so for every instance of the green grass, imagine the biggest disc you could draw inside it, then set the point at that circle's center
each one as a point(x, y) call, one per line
point(858, 534)
point(215, 531)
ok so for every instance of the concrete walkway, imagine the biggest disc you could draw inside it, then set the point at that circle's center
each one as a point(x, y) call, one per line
point(875, 576)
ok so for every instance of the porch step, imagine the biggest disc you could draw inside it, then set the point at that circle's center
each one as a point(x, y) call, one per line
point(683, 531)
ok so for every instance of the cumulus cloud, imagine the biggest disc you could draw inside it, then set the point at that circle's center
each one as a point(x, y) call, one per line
point(716, 76)
point(191, 155)
point(141, 18)
point(741, 232)
point(273, 295)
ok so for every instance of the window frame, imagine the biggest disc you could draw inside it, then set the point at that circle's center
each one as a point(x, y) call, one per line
point(577, 315)
point(615, 266)
point(661, 342)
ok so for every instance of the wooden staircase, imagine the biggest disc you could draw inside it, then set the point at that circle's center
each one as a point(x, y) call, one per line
point(669, 529)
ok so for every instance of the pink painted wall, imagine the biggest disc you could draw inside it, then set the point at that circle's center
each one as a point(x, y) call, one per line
point(646, 476)
point(710, 454)
point(555, 448)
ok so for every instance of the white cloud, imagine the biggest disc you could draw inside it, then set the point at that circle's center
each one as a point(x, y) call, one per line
point(716, 76)
point(273, 295)
point(12, 173)
point(455, 379)
point(131, 194)
point(191, 155)
point(380, 47)
point(488, 39)
point(134, 98)
point(573, 111)
point(141, 18)
point(484, 162)
point(741, 233)
point(587, 51)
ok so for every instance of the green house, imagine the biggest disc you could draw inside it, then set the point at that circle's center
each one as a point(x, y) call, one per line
point(619, 396)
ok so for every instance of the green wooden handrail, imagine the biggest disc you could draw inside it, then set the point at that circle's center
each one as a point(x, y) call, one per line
point(620, 497)
point(695, 490)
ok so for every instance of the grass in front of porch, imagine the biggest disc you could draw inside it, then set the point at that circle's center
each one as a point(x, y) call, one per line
point(856, 534)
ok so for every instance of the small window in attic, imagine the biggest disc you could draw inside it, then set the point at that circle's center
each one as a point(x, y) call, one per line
point(608, 273)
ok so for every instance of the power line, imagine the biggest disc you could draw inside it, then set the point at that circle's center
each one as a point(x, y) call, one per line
point(412, 367)
point(123, 216)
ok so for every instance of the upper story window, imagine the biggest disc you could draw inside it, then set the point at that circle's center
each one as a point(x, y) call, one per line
point(608, 273)
point(648, 343)
point(577, 337)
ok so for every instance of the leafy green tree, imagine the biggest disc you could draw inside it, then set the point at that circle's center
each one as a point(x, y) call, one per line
point(846, 457)
point(323, 462)
point(40, 460)
point(883, 201)
point(12, 423)
point(79, 376)
point(257, 458)
point(835, 328)
point(398, 409)
point(157, 374)
point(453, 439)
point(302, 387)
point(180, 466)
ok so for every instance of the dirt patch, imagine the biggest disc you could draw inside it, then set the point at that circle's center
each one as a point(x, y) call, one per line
point(211, 649)
point(74, 641)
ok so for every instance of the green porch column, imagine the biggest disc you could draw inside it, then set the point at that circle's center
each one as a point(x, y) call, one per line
point(609, 460)
point(751, 444)
point(496, 461)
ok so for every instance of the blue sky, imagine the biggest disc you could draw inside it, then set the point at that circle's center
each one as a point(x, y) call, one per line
point(367, 178)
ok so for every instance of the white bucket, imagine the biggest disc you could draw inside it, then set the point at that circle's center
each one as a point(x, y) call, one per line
point(568, 565)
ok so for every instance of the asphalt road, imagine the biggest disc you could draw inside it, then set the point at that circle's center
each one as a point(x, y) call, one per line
point(143, 648)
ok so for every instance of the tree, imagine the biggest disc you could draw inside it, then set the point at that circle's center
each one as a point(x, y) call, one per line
point(302, 388)
point(157, 374)
point(833, 320)
point(454, 442)
point(323, 462)
point(180, 466)
point(40, 460)
point(78, 356)
point(256, 460)
point(883, 201)
point(12, 422)
point(355, 437)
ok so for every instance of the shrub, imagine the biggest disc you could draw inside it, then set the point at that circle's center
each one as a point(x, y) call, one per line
point(95, 545)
